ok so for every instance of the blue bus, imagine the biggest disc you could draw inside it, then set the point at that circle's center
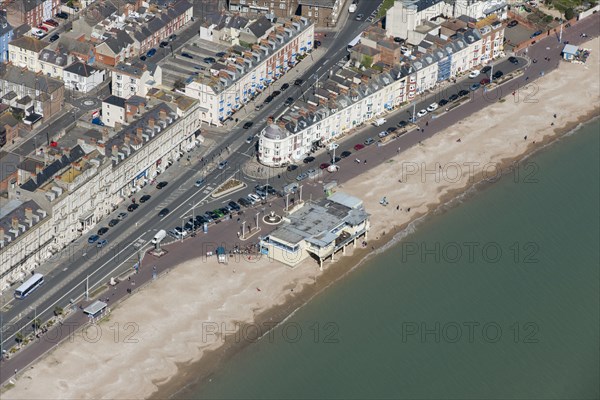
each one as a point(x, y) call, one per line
point(29, 286)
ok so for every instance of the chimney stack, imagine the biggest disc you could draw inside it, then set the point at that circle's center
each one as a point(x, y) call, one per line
point(39, 169)
point(140, 131)
point(15, 223)
point(126, 139)
point(163, 115)
point(115, 150)
point(105, 135)
point(150, 123)
point(29, 214)
point(2, 235)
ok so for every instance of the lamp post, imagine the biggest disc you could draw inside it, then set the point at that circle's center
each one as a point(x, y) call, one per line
point(193, 216)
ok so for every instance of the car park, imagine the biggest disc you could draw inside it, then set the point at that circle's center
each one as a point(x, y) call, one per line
point(486, 69)
point(345, 154)
point(513, 23)
point(248, 124)
point(454, 97)
point(474, 74)
point(102, 231)
point(359, 146)
point(383, 134)
point(421, 113)
point(474, 87)
point(145, 198)
point(102, 243)
point(187, 55)
point(242, 201)
point(163, 212)
point(222, 164)
point(132, 207)
point(513, 60)
point(432, 107)
point(285, 86)
point(298, 82)
point(93, 239)
point(463, 93)
point(308, 160)
point(498, 74)
point(442, 102)
point(150, 53)
point(162, 184)
point(54, 38)
point(369, 141)
point(199, 182)
point(122, 216)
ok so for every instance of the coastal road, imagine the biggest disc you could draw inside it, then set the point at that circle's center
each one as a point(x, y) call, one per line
point(184, 188)
point(67, 280)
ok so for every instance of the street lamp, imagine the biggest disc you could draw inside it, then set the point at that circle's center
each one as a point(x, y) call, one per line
point(193, 216)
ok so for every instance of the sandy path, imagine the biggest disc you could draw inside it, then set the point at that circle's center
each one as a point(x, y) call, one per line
point(170, 316)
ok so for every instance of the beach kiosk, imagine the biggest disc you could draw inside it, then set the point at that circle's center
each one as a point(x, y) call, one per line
point(95, 309)
point(570, 51)
point(221, 255)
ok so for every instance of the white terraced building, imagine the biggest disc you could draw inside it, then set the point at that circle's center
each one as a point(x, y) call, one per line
point(244, 72)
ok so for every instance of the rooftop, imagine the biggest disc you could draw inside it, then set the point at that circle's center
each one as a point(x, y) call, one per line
point(29, 43)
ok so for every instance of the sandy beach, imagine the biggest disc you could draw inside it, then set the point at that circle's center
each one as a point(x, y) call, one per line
point(180, 318)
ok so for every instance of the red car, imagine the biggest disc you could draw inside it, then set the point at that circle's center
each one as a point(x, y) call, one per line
point(51, 22)
point(42, 27)
point(484, 81)
point(359, 146)
point(324, 165)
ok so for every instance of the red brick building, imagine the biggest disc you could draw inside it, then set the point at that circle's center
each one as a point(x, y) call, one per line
point(31, 12)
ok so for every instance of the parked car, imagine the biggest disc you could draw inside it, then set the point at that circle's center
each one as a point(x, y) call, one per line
point(220, 54)
point(233, 206)
point(93, 239)
point(513, 23)
point(275, 93)
point(345, 154)
point(402, 124)
point(317, 43)
point(391, 129)
point(536, 33)
point(324, 165)
point(102, 231)
point(162, 184)
point(302, 177)
point(484, 81)
point(285, 86)
point(442, 102)
point(474, 74)
point(422, 113)
point(383, 134)
point(369, 141)
point(51, 22)
point(308, 160)
point(244, 202)
point(133, 207)
point(513, 60)
point(454, 97)
point(498, 74)
point(62, 15)
point(292, 167)
point(172, 37)
point(42, 27)
point(223, 164)
point(143, 58)
point(102, 243)
point(122, 216)
point(432, 107)
point(150, 53)
point(268, 99)
point(298, 82)
point(187, 55)
point(359, 146)
point(253, 198)
point(486, 69)
point(463, 93)
point(209, 60)
point(248, 124)
point(258, 107)
point(145, 198)
point(54, 38)
point(474, 87)
point(162, 45)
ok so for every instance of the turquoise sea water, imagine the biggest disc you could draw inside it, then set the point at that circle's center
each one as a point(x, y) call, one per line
point(496, 298)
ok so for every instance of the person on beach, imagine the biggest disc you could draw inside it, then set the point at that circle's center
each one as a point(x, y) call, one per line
point(397, 207)
point(554, 115)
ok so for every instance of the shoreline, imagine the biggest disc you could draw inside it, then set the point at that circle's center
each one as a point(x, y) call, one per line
point(172, 340)
point(213, 360)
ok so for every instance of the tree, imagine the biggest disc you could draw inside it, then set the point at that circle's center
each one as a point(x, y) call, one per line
point(58, 311)
point(178, 84)
point(19, 337)
point(569, 13)
point(35, 324)
point(367, 61)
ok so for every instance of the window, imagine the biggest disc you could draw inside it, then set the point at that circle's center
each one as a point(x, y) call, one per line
point(282, 6)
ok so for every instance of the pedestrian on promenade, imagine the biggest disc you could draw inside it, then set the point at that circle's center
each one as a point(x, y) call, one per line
point(365, 161)
point(422, 130)
point(427, 123)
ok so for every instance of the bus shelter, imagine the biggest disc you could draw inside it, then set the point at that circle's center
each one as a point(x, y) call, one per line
point(95, 308)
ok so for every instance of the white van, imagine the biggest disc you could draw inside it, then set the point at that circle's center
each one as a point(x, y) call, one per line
point(160, 235)
point(379, 122)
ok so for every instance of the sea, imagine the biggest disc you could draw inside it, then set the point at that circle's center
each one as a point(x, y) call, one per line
point(494, 297)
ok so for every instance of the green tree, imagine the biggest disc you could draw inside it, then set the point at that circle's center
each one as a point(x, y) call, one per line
point(35, 324)
point(19, 337)
point(367, 61)
point(58, 311)
point(569, 13)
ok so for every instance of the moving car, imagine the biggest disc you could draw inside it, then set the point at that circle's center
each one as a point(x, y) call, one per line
point(369, 141)
point(359, 17)
point(513, 60)
point(308, 160)
point(102, 231)
point(187, 55)
point(474, 74)
point(298, 82)
point(284, 86)
point(345, 154)
point(199, 182)
point(432, 107)
point(249, 139)
point(132, 207)
point(163, 212)
point(289, 101)
point(223, 164)
point(102, 243)
point(93, 239)
point(145, 198)
point(162, 184)
point(248, 124)
point(421, 113)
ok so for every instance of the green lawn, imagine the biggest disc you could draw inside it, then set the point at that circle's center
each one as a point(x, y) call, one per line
point(386, 5)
